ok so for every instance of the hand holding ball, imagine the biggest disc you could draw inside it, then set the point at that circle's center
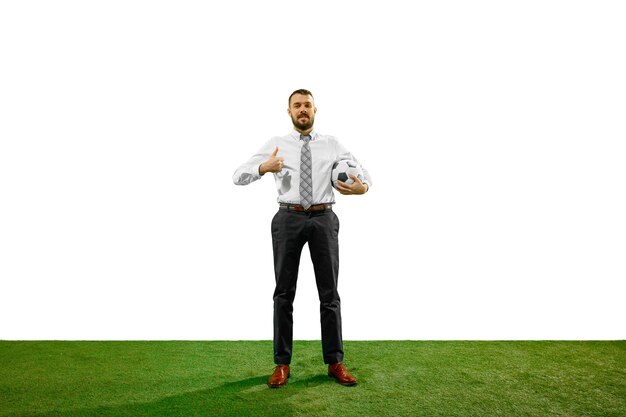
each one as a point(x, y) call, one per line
point(343, 169)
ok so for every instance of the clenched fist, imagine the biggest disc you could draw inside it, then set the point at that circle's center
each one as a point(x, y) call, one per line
point(273, 164)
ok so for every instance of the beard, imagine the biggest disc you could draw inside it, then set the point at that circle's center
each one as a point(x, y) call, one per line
point(307, 124)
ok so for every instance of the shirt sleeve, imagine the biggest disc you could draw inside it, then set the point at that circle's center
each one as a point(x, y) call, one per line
point(249, 171)
point(343, 153)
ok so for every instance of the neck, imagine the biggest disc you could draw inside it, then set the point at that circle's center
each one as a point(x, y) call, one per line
point(304, 132)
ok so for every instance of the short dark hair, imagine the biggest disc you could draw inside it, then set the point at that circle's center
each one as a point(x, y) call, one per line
point(300, 91)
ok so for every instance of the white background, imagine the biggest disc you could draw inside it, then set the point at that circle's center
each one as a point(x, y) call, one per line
point(494, 133)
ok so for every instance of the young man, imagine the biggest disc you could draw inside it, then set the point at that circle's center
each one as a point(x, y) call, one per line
point(302, 162)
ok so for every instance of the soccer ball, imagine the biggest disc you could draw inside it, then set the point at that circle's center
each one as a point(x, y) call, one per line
point(343, 169)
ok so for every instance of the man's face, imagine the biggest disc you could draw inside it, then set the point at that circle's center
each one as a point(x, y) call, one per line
point(302, 111)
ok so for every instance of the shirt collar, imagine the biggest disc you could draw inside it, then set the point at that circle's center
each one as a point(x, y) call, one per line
point(296, 135)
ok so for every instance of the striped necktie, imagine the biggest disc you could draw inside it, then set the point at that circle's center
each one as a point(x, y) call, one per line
point(306, 181)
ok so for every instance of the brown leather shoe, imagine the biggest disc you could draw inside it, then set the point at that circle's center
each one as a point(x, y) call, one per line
point(341, 374)
point(279, 377)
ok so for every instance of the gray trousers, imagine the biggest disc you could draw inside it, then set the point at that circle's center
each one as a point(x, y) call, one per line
point(290, 231)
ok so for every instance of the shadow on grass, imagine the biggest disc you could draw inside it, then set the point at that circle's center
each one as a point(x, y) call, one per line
point(248, 397)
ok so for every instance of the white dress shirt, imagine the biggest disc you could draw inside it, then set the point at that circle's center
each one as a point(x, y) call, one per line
point(325, 151)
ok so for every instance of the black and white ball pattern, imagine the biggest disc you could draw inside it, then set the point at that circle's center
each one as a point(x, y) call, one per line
point(343, 169)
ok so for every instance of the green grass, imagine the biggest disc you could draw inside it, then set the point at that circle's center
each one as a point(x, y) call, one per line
point(397, 378)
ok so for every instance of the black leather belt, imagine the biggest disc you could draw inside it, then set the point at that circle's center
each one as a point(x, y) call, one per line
point(297, 207)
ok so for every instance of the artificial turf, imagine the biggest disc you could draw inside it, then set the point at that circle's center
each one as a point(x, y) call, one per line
point(396, 378)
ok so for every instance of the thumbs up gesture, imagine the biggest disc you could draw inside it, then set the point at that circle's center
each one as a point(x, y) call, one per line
point(273, 164)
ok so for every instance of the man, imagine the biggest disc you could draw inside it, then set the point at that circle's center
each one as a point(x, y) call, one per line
point(302, 162)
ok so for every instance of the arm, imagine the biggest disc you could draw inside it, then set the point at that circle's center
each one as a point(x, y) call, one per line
point(265, 160)
point(358, 186)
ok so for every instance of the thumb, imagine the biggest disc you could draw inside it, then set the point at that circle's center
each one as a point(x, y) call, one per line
point(275, 151)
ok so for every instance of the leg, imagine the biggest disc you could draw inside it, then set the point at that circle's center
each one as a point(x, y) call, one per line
point(287, 243)
point(324, 248)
